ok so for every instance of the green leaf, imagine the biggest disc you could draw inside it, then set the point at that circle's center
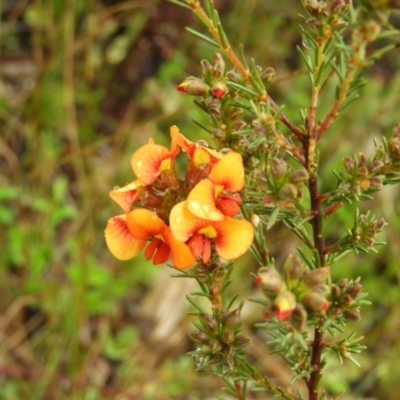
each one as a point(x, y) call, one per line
point(203, 37)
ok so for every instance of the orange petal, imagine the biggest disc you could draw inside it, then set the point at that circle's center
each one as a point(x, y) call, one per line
point(144, 224)
point(229, 172)
point(126, 195)
point(198, 153)
point(183, 223)
point(146, 162)
point(234, 237)
point(119, 239)
point(201, 201)
point(181, 255)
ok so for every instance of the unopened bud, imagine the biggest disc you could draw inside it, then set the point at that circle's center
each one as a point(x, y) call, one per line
point(233, 75)
point(209, 323)
point(215, 346)
point(299, 176)
point(255, 220)
point(219, 64)
point(278, 167)
point(289, 192)
point(335, 291)
point(236, 113)
point(316, 277)
point(219, 89)
point(270, 280)
point(284, 305)
point(199, 337)
point(232, 320)
point(206, 66)
point(315, 302)
point(346, 300)
point(241, 341)
point(352, 314)
point(194, 86)
point(343, 283)
point(227, 337)
point(349, 164)
point(299, 317)
point(376, 182)
point(293, 269)
point(375, 166)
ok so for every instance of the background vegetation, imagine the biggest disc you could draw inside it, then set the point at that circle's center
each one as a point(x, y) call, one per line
point(82, 85)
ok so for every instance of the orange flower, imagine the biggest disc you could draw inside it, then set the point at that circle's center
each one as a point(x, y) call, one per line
point(122, 244)
point(200, 155)
point(232, 237)
point(150, 160)
point(146, 225)
point(209, 200)
point(126, 195)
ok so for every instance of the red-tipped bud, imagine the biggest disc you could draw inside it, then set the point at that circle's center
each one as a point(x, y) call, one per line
point(193, 86)
point(284, 305)
point(219, 90)
point(315, 302)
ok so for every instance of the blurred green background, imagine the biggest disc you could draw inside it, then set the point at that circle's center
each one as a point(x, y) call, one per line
point(83, 84)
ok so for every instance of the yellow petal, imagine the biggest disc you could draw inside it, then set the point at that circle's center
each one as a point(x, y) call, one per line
point(144, 224)
point(201, 201)
point(234, 237)
point(120, 241)
point(229, 172)
point(126, 195)
point(183, 223)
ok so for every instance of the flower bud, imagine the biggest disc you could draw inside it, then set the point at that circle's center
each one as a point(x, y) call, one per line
point(255, 220)
point(219, 64)
point(241, 341)
point(346, 300)
point(299, 317)
point(354, 289)
point(299, 176)
point(199, 337)
point(375, 166)
point(335, 291)
point(343, 283)
point(206, 66)
point(194, 86)
point(376, 182)
point(278, 167)
point(315, 302)
point(215, 346)
point(227, 337)
point(233, 75)
point(349, 164)
point(209, 323)
point(289, 192)
point(270, 280)
point(316, 277)
point(284, 305)
point(219, 89)
point(352, 314)
point(293, 269)
point(232, 320)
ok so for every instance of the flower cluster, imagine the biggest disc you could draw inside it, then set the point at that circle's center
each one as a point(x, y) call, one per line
point(295, 291)
point(182, 220)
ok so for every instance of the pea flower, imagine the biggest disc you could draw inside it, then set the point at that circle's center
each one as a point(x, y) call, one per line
point(209, 198)
point(126, 235)
point(232, 237)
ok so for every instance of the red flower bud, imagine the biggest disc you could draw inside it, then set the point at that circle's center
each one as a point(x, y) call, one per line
point(219, 90)
point(193, 86)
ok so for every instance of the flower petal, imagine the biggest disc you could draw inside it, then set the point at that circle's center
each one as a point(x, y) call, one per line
point(119, 239)
point(144, 224)
point(181, 255)
point(147, 162)
point(126, 195)
point(234, 237)
point(201, 201)
point(183, 223)
point(229, 172)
